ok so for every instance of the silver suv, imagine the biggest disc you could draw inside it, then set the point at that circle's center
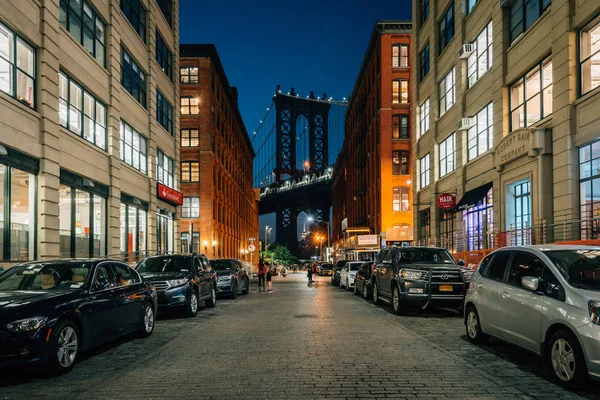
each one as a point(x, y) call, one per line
point(545, 299)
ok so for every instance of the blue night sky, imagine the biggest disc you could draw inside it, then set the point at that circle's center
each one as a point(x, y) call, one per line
point(309, 45)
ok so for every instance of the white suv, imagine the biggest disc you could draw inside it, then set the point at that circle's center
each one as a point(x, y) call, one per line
point(348, 275)
point(545, 299)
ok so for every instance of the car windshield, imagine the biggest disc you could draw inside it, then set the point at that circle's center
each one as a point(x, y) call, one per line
point(429, 256)
point(165, 264)
point(581, 268)
point(67, 276)
point(221, 265)
point(355, 266)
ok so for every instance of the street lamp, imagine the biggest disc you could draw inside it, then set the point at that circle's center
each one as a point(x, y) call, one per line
point(205, 243)
point(268, 230)
point(311, 219)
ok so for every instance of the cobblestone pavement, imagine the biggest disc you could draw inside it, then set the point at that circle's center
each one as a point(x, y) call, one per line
point(298, 342)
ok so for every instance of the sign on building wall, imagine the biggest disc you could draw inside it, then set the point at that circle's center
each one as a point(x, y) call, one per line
point(169, 195)
point(446, 201)
point(368, 240)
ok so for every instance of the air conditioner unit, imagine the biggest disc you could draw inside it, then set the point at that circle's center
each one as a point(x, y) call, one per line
point(466, 50)
point(465, 123)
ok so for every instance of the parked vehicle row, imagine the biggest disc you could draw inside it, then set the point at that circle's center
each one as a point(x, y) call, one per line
point(544, 299)
point(50, 311)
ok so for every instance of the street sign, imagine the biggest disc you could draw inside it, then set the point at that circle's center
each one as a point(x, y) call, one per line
point(251, 248)
point(446, 201)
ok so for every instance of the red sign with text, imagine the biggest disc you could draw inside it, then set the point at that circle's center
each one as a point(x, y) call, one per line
point(170, 195)
point(446, 201)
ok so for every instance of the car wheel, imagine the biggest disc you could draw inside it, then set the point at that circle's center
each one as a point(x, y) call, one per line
point(400, 307)
point(365, 292)
point(64, 342)
point(192, 308)
point(376, 299)
point(247, 289)
point(348, 288)
point(213, 298)
point(234, 292)
point(566, 359)
point(473, 325)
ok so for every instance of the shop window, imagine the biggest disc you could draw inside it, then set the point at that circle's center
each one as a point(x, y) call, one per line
point(446, 28)
point(447, 230)
point(164, 57)
point(589, 189)
point(189, 106)
point(518, 212)
point(136, 14)
point(589, 56)
point(400, 55)
point(191, 207)
point(17, 67)
point(400, 162)
point(134, 223)
point(164, 233)
point(133, 148)
point(190, 171)
point(424, 117)
point(424, 172)
point(424, 62)
point(523, 13)
point(531, 96)
point(190, 138)
point(425, 226)
point(400, 91)
point(424, 4)
point(447, 155)
point(80, 112)
point(84, 24)
point(400, 126)
point(185, 242)
point(480, 61)
point(164, 169)
point(481, 134)
point(165, 7)
point(188, 74)
point(164, 112)
point(400, 200)
point(133, 78)
point(479, 222)
point(447, 92)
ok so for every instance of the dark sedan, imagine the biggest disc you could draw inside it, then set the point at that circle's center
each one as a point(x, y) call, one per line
point(50, 311)
point(362, 282)
point(232, 277)
point(337, 271)
point(326, 269)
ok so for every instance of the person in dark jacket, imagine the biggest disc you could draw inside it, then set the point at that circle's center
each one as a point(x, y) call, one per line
point(261, 276)
point(310, 274)
point(269, 277)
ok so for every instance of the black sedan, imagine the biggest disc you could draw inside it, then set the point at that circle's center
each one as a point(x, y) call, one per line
point(182, 281)
point(232, 277)
point(326, 269)
point(50, 311)
point(362, 282)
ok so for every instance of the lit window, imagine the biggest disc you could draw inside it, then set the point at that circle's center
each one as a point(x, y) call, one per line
point(84, 24)
point(446, 28)
point(134, 232)
point(400, 200)
point(190, 171)
point(189, 106)
point(531, 96)
point(133, 148)
point(136, 14)
point(400, 162)
point(399, 55)
point(589, 57)
point(447, 155)
point(424, 117)
point(164, 169)
point(399, 126)
point(480, 61)
point(424, 62)
point(164, 56)
point(523, 13)
point(133, 78)
point(191, 207)
point(424, 171)
point(400, 91)
point(190, 138)
point(164, 112)
point(19, 64)
point(447, 96)
point(481, 134)
point(188, 74)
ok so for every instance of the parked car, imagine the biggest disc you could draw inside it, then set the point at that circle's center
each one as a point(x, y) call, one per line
point(348, 274)
point(232, 277)
point(420, 276)
point(336, 273)
point(545, 299)
point(326, 269)
point(362, 283)
point(50, 311)
point(181, 281)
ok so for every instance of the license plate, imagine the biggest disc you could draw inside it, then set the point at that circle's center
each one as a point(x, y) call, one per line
point(445, 288)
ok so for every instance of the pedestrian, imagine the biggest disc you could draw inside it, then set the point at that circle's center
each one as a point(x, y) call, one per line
point(315, 270)
point(261, 276)
point(310, 274)
point(269, 277)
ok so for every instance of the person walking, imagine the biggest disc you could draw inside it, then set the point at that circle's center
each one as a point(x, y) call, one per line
point(269, 277)
point(315, 270)
point(310, 274)
point(261, 276)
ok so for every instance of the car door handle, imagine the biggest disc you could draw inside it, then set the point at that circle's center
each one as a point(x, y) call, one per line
point(479, 285)
point(504, 295)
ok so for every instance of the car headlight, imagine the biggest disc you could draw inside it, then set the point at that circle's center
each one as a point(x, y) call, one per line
point(224, 278)
point(594, 307)
point(26, 325)
point(467, 274)
point(352, 276)
point(177, 282)
point(411, 274)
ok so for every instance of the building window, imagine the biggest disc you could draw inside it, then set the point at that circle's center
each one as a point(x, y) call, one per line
point(589, 56)
point(424, 11)
point(133, 78)
point(164, 56)
point(400, 91)
point(190, 171)
point(424, 171)
point(400, 200)
point(188, 74)
point(164, 169)
point(400, 55)
point(164, 233)
point(164, 112)
point(424, 62)
point(531, 96)
point(589, 189)
point(189, 106)
point(185, 242)
point(165, 7)
point(17, 67)
point(84, 24)
point(80, 112)
point(518, 212)
point(17, 214)
point(425, 226)
point(480, 61)
point(134, 229)
point(190, 138)
point(447, 230)
point(479, 221)
point(481, 134)
point(424, 117)
point(136, 14)
point(400, 162)
point(447, 155)
point(446, 28)
point(82, 223)
point(133, 148)
point(400, 126)
point(447, 96)
point(470, 5)
point(523, 13)
point(191, 207)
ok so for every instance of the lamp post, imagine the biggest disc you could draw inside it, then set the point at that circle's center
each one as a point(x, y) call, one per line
point(310, 219)
point(268, 230)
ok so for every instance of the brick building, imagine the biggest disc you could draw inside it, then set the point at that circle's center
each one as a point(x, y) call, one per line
point(220, 211)
point(372, 187)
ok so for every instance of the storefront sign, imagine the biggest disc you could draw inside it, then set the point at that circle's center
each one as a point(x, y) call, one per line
point(170, 195)
point(513, 146)
point(368, 240)
point(344, 224)
point(446, 201)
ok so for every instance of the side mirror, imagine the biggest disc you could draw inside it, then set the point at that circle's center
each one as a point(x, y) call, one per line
point(461, 262)
point(530, 283)
point(101, 284)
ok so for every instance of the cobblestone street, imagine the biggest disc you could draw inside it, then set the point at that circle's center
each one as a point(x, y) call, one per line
point(298, 342)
